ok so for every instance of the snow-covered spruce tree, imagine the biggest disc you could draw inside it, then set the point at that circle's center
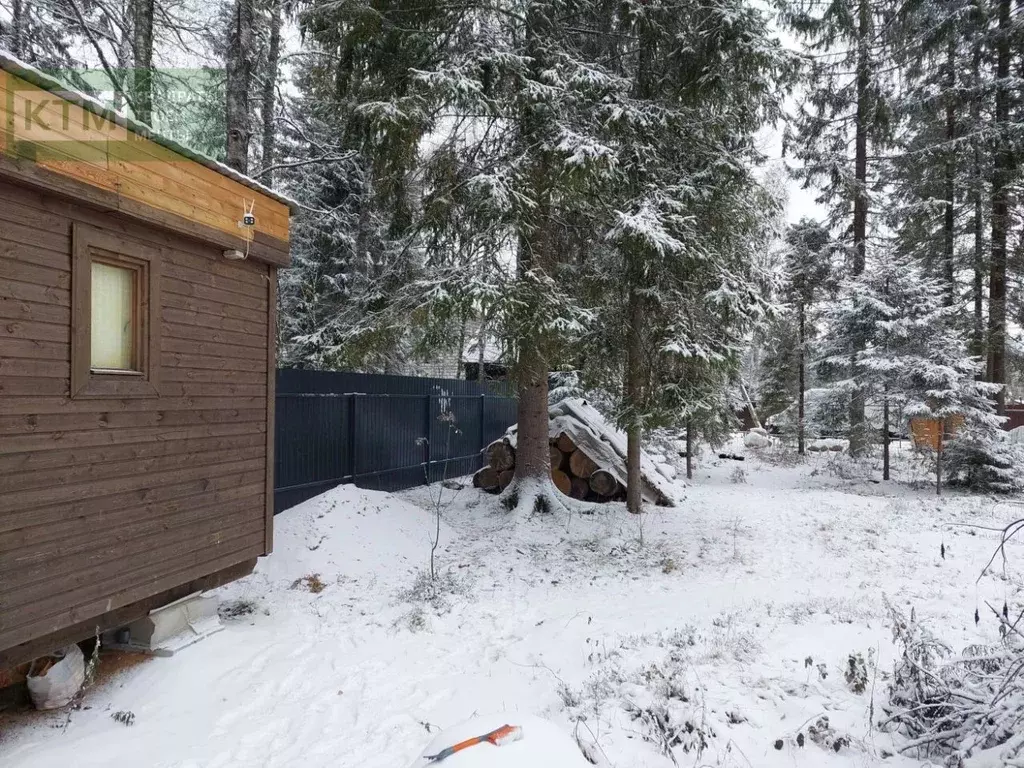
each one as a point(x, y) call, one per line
point(808, 278)
point(915, 364)
point(505, 111)
point(775, 376)
point(841, 132)
point(684, 303)
point(676, 285)
point(939, 163)
point(336, 300)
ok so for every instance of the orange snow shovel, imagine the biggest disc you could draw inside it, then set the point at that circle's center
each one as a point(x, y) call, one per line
point(497, 737)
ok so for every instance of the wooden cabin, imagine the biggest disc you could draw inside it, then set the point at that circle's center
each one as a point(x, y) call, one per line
point(137, 363)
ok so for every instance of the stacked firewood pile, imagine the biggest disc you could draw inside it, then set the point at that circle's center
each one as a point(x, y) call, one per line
point(573, 472)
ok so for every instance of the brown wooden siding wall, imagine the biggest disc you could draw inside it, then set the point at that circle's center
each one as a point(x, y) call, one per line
point(104, 502)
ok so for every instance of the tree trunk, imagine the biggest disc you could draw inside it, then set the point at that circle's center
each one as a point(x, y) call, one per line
point(239, 79)
point(885, 435)
point(689, 449)
point(949, 213)
point(979, 216)
point(537, 254)
point(481, 349)
point(142, 52)
point(269, 93)
point(19, 23)
point(634, 497)
point(858, 435)
point(633, 392)
point(802, 383)
point(1001, 177)
point(532, 459)
point(461, 348)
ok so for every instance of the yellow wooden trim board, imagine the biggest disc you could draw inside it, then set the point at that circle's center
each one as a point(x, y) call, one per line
point(53, 132)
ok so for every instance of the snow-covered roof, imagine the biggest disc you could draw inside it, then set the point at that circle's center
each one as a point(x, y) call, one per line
point(492, 350)
point(19, 68)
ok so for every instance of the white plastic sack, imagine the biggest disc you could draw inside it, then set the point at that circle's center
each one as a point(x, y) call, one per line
point(58, 685)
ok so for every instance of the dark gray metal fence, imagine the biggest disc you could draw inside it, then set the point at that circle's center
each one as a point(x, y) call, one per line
point(381, 432)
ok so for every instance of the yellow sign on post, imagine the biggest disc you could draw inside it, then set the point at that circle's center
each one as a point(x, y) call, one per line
point(926, 433)
point(933, 434)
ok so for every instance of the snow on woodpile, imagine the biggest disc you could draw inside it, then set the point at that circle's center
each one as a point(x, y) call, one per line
point(588, 458)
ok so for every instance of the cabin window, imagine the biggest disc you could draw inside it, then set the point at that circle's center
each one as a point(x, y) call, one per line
point(115, 322)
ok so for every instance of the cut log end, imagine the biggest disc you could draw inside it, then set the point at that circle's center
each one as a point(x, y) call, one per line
point(581, 465)
point(580, 488)
point(486, 479)
point(501, 455)
point(565, 444)
point(561, 481)
point(557, 458)
point(603, 483)
point(505, 478)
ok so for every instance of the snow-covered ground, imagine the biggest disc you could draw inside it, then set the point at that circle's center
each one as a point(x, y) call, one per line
point(737, 615)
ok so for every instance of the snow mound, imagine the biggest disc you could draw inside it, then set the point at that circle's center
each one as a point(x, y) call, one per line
point(543, 745)
point(350, 532)
point(756, 439)
point(828, 444)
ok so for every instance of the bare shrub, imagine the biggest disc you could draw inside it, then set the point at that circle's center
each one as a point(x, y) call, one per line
point(434, 589)
point(311, 583)
point(856, 673)
point(950, 706)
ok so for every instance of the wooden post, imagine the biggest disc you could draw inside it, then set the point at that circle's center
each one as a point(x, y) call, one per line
point(689, 449)
point(480, 442)
point(885, 436)
point(801, 441)
point(352, 411)
point(426, 438)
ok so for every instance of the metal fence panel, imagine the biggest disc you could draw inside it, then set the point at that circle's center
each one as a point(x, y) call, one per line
point(381, 432)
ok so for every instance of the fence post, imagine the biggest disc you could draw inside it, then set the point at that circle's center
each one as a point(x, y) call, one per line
point(426, 439)
point(482, 410)
point(352, 437)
